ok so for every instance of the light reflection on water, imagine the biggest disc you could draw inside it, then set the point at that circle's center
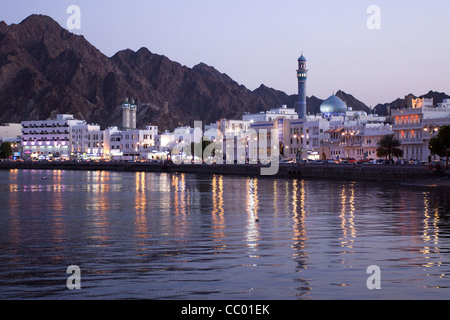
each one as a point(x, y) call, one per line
point(177, 236)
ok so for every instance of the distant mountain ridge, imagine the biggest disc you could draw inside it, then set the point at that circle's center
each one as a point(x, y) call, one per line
point(46, 70)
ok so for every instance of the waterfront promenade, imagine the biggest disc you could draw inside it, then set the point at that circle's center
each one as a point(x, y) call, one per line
point(370, 172)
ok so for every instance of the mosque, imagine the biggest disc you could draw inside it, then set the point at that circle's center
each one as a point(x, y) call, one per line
point(333, 106)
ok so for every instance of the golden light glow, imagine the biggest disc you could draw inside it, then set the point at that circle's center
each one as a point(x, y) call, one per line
point(180, 201)
point(218, 217)
point(430, 234)
point(347, 217)
point(252, 235)
point(100, 205)
point(141, 206)
point(299, 225)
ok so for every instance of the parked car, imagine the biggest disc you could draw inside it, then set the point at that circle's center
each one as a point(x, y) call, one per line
point(383, 161)
point(347, 160)
point(287, 160)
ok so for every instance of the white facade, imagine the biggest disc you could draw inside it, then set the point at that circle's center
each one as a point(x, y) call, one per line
point(284, 137)
point(371, 138)
point(358, 142)
point(444, 104)
point(10, 131)
point(227, 130)
point(133, 144)
point(233, 126)
point(115, 144)
point(87, 141)
point(107, 140)
point(284, 112)
point(48, 138)
point(414, 127)
point(355, 135)
point(314, 132)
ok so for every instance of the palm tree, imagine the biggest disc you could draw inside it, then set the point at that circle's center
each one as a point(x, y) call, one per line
point(440, 145)
point(5, 150)
point(388, 147)
point(205, 143)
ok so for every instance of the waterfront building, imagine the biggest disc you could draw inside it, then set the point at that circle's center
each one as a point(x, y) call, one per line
point(417, 124)
point(10, 131)
point(165, 141)
point(337, 132)
point(46, 139)
point(87, 141)
point(108, 136)
point(350, 134)
point(288, 133)
point(356, 140)
point(133, 144)
point(372, 135)
point(115, 144)
point(272, 114)
point(315, 138)
point(232, 127)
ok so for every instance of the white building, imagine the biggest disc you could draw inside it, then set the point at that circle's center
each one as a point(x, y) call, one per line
point(87, 141)
point(107, 140)
point(284, 112)
point(315, 138)
point(444, 104)
point(229, 134)
point(133, 144)
point(114, 141)
point(415, 126)
point(10, 131)
point(337, 132)
point(356, 141)
point(48, 138)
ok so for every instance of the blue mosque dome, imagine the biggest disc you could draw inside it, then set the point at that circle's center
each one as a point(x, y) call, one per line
point(302, 58)
point(333, 106)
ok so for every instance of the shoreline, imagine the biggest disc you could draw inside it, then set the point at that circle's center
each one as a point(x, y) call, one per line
point(421, 175)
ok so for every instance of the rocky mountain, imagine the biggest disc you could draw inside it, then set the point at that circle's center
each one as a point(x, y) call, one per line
point(46, 70)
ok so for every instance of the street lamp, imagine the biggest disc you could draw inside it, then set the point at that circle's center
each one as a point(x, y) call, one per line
point(347, 134)
point(432, 129)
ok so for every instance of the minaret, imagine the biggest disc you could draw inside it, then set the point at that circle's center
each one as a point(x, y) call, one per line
point(133, 109)
point(302, 75)
point(126, 114)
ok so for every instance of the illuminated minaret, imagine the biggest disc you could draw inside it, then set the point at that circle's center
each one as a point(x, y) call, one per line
point(302, 75)
point(126, 114)
point(133, 110)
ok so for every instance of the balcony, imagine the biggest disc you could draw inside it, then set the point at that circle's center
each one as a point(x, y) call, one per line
point(403, 126)
point(413, 140)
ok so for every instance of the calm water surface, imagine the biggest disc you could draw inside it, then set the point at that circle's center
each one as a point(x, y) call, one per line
point(178, 236)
